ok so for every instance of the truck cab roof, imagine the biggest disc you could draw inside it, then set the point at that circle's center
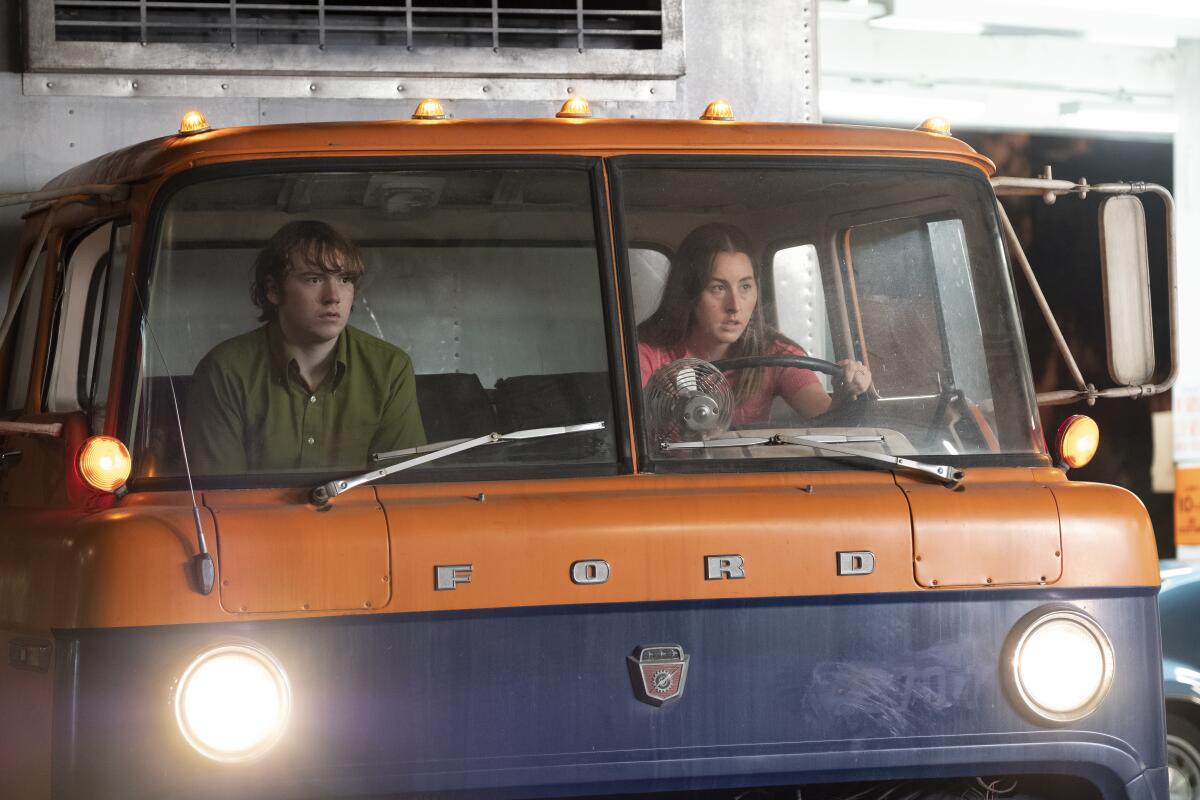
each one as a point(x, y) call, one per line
point(169, 154)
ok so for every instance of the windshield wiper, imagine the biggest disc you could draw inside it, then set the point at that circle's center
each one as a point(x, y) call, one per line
point(321, 495)
point(948, 475)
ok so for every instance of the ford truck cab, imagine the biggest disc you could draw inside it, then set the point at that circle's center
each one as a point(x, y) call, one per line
point(588, 580)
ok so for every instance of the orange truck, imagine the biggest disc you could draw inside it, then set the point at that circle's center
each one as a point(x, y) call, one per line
point(770, 517)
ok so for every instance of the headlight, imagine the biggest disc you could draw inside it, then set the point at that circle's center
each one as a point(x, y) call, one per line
point(1061, 664)
point(232, 702)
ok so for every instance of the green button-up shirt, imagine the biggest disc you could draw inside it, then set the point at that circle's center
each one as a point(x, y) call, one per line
point(249, 411)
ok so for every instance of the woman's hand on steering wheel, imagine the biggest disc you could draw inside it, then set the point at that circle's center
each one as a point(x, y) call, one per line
point(855, 375)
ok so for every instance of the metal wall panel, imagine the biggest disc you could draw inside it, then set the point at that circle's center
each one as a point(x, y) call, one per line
point(761, 57)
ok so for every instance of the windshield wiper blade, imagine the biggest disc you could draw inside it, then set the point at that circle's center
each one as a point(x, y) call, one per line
point(948, 475)
point(321, 495)
point(750, 441)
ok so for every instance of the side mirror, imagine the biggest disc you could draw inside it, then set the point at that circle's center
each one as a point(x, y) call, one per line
point(1125, 266)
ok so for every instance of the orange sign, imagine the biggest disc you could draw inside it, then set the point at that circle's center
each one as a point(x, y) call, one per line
point(1187, 505)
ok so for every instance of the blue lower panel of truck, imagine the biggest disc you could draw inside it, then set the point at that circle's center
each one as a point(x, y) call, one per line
point(541, 702)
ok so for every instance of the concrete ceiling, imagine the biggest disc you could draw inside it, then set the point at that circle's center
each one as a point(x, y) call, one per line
point(1106, 67)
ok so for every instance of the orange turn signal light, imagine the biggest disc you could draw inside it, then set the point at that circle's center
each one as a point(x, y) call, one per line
point(1078, 438)
point(576, 107)
point(718, 110)
point(104, 463)
point(429, 108)
point(192, 122)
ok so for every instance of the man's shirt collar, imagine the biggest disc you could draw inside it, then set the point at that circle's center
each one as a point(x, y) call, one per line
point(283, 367)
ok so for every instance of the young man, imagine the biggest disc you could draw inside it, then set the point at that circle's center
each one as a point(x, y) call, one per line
point(305, 391)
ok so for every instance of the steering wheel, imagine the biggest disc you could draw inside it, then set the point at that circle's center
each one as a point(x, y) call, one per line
point(846, 414)
point(781, 360)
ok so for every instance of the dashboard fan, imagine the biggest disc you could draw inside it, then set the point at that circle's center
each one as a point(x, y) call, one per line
point(688, 399)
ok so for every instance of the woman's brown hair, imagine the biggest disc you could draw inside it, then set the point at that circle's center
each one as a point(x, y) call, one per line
point(306, 241)
point(690, 272)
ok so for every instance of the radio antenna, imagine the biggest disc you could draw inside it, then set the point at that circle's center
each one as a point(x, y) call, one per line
point(202, 563)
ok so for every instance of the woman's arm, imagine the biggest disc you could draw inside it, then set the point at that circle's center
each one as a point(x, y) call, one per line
point(810, 400)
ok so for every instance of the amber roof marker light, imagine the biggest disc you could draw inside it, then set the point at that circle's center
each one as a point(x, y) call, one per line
point(430, 108)
point(1077, 440)
point(576, 107)
point(938, 125)
point(104, 463)
point(718, 111)
point(193, 122)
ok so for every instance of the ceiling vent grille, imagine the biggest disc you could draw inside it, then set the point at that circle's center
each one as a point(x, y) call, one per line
point(579, 25)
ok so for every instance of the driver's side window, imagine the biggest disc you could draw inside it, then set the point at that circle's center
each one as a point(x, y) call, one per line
point(890, 277)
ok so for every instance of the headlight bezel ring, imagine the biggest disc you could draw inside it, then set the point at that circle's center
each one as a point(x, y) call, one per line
point(206, 656)
point(1016, 644)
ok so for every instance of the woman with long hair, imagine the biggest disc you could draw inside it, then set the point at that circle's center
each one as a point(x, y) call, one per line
point(710, 310)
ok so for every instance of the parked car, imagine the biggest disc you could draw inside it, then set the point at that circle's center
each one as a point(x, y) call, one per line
point(1178, 602)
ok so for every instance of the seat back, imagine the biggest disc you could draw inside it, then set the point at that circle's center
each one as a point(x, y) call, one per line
point(454, 405)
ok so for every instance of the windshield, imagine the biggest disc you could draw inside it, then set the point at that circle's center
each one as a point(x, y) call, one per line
point(309, 320)
point(864, 302)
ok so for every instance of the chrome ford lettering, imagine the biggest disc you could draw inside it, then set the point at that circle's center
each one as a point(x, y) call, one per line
point(855, 562)
point(448, 576)
point(724, 567)
point(590, 571)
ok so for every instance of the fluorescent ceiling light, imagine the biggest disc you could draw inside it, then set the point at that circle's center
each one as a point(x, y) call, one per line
point(1119, 117)
point(850, 10)
point(926, 24)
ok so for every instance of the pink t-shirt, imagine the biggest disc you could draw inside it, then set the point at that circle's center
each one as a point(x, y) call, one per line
point(777, 381)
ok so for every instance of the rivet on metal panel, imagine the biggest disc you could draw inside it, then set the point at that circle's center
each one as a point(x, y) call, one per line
point(241, 608)
point(651, 90)
point(225, 86)
point(481, 497)
point(807, 488)
point(989, 580)
point(399, 88)
point(49, 84)
point(366, 604)
point(933, 582)
point(134, 85)
point(1057, 553)
point(386, 578)
point(225, 582)
point(918, 558)
point(304, 606)
point(570, 90)
point(312, 87)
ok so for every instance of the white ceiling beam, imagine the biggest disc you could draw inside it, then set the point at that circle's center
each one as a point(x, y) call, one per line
point(855, 51)
point(1180, 18)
